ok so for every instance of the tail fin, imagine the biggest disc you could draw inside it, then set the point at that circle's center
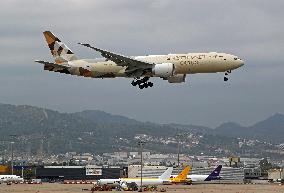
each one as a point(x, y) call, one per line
point(215, 174)
point(167, 174)
point(183, 174)
point(59, 50)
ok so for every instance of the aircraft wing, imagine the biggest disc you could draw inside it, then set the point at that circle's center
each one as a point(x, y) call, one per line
point(134, 68)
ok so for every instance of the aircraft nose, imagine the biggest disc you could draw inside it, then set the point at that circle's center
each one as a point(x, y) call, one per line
point(241, 63)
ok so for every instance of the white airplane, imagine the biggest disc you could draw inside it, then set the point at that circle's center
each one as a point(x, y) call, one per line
point(215, 175)
point(10, 178)
point(122, 182)
point(170, 67)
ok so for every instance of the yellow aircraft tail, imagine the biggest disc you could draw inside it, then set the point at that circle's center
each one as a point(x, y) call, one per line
point(182, 176)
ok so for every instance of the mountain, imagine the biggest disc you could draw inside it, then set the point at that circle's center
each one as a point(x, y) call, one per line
point(38, 130)
point(231, 129)
point(270, 129)
point(103, 117)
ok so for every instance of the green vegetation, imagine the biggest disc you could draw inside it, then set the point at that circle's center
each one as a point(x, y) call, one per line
point(36, 130)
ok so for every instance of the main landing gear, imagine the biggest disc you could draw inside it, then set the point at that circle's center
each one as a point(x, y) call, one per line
point(226, 75)
point(142, 83)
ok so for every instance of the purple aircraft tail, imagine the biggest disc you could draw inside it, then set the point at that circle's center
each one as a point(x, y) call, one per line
point(215, 175)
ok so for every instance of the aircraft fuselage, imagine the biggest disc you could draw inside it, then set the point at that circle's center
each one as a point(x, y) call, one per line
point(190, 63)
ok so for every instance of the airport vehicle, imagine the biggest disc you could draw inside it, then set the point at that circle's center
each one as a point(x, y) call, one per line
point(215, 175)
point(170, 67)
point(164, 178)
point(10, 178)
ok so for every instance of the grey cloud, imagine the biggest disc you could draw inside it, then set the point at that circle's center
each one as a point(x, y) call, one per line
point(252, 30)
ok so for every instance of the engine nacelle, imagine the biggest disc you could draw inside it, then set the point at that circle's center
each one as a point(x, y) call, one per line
point(164, 70)
point(178, 78)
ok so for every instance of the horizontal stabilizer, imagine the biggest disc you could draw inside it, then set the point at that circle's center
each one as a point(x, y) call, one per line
point(52, 64)
point(55, 67)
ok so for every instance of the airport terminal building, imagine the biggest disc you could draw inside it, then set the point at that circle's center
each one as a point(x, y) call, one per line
point(89, 172)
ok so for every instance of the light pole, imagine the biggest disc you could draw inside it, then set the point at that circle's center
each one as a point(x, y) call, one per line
point(141, 145)
point(12, 161)
point(22, 171)
point(178, 136)
point(178, 155)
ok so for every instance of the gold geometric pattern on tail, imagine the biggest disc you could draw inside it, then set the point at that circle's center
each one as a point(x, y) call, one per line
point(60, 52)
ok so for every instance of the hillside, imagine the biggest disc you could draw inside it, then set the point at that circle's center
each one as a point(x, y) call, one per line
point(270, 129)
point(37, 130)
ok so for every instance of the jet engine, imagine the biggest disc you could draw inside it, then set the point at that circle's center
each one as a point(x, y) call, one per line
point(164, 70)
point(178, 78)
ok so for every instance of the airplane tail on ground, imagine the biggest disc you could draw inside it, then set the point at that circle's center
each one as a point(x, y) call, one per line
point(167, 174)
point(59, 50)
point(182, 176)
point(215, 174)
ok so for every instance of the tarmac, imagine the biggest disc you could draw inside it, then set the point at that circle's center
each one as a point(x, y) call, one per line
point(198, 188)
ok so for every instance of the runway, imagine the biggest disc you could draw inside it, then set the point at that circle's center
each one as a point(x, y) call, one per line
point(199, 188)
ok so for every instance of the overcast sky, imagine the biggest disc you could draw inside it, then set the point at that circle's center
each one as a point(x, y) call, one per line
point(252, 30)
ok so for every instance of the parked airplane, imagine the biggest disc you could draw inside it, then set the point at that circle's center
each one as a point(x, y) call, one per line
point(170, 67)
point(215, 175)
point(10, 178)
point(164, 178)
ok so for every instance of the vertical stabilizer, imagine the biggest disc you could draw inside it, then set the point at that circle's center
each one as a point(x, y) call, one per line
point(167, 174)
point(215, 174)
point(59, 50)
point(182, 175)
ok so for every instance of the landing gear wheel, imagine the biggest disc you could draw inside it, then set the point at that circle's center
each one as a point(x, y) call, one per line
point(145, 79)
point(134, 83)
point(142, 83)
point(226, 79)
point(150, 84)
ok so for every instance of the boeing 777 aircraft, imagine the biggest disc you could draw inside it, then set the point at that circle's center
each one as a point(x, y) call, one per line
point(170, 67)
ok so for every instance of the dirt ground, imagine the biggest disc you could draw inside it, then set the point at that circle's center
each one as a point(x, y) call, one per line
point(200, 188)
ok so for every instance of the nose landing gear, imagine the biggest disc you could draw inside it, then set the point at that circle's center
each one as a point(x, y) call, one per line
point(226, 75)
point(142, 83)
